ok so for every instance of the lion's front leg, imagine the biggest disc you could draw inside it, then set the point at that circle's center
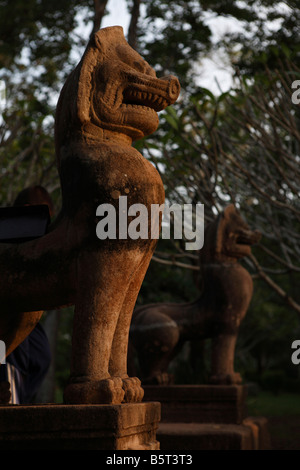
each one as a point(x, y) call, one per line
point(102, 285)
point(223, 352)
point(118, 360)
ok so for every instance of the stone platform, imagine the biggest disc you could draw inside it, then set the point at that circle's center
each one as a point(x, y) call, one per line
point(199, 403)
point(79, 427)
point(207, 417)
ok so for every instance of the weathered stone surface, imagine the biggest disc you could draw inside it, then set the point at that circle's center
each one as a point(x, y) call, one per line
point(260, 432)
point(197, 436)
point(158, 331)
point(109, 100)
point(207, 417)
point(79, 427)
point(199, 403)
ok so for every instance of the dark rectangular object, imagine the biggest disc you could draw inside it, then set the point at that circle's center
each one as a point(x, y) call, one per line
point(23, 223)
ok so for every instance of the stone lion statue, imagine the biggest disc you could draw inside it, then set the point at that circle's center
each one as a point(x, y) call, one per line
point(158, 331)
point(110, 99)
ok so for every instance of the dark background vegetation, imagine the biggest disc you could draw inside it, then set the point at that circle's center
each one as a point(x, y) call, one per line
point(238, 145)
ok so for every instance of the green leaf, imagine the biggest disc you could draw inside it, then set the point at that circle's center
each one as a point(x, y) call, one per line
point(173, 121)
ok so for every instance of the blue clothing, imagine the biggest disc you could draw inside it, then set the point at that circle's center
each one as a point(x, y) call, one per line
point(27, 366)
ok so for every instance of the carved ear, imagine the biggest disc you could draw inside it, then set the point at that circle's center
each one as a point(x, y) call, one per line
point(221, 223)
point(107, 36)
point(86, 67)
point(229, 210)
point(97, 40)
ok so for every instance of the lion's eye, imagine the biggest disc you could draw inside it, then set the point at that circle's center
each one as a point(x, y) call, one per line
point(140, 66)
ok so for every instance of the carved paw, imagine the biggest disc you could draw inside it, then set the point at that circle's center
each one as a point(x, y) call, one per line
point(106, 391)
point(160, 379)
point(226, 379)
point(165, 379)
point(133, 390)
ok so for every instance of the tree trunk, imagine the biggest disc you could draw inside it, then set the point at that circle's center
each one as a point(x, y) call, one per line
point(132, 31)
point(99, 7)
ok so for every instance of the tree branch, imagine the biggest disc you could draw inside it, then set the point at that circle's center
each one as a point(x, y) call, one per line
point(275, 286)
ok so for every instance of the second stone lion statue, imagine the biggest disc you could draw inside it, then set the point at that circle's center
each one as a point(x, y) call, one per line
point(158, 331)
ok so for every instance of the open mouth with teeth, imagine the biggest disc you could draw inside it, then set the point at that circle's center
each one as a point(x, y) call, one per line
point(248, 237)
point(241, 244)
point(139, 105)
point(134, 97)
point(132, 108)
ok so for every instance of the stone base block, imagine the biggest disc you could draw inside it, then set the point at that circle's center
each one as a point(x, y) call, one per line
point(197, 436)
point(207, 417)
point(251, 435)
point(79, 427)
point(199, 403)
point(260, 432)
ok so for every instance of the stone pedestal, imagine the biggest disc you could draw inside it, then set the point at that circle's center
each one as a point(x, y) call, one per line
point(207, 417)
point(199, 403)
point(79, 427)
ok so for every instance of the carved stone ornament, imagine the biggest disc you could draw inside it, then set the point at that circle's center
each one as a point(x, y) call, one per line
point(159, 331)
point(110, 99)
